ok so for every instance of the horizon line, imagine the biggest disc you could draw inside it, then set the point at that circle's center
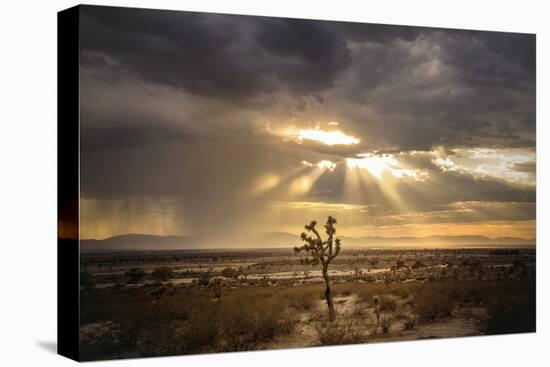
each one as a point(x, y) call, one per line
point(297, 236)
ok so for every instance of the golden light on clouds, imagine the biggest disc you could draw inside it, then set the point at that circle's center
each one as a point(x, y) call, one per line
point(513, 164)
point(490, 229)
point(376, 165)
point(324, 164)
point(326, 137)
point(372, 163)
point(327, 165)
point(317, 205)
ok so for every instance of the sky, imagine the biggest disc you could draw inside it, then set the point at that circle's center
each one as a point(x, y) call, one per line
point(228, 126)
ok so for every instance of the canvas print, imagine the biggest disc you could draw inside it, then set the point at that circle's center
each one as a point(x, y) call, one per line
point(251, 183)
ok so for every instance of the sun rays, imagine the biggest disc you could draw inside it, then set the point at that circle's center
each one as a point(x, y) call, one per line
point(368, 175)
point(390, 192)
point(264, 183)
point(304, 183)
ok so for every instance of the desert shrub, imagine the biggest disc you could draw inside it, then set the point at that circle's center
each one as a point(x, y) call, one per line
point(301, 298)
point(198, 334)
point(230, 273)
point(360, 311)
point(430, 305)
point(409, 322)
point(339, 333)
point(303, 302)
point(387, 303)
point(385, 322)
point(204, 279)
point(201, 331)
point(399, 264)
point(162, 273)
point(245, 324)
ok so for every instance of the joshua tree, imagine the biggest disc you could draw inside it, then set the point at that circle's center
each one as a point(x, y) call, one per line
point(204, 278)
point(357, 273)
point(319, 251)
point(163, 273)
point(216, 285)
point(135, 275)
point(231, 273)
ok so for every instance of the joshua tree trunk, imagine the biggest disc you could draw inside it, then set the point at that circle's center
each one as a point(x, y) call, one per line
point(328, 295)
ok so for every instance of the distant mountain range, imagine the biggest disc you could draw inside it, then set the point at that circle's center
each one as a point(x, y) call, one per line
point(280, 239)
point(455, 241)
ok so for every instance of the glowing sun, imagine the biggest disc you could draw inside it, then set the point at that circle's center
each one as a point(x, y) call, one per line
point(326, 137)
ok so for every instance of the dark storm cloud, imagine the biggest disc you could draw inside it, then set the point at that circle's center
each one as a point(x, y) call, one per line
point(422, 86)
point(379, 33)
point(228, 55)
point(322, 52)
point(178, 49)
point(492, 58)
point(190, 106)
point(457, 88)
point(218, 55)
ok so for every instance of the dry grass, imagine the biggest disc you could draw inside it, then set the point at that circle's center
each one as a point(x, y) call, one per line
point(189, 320)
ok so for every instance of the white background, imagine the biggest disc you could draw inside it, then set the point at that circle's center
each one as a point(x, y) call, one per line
point(28, 183)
